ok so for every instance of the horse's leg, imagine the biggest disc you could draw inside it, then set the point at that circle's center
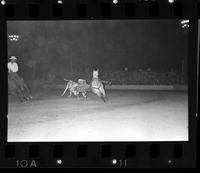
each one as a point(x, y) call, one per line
point(12, 93)
point(65, 90)
point(20, 96)
point(103, 94)
point(15, 94)
point(20, 87)
point(102, 97)
point(23, 95)
point(70, 94)
point(84, 94)
point(23, 92)
point(28, 91)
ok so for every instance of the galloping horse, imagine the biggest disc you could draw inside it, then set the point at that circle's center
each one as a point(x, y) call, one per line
point(98, 86)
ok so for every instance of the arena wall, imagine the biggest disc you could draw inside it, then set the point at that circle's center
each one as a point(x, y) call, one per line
point(132, 87)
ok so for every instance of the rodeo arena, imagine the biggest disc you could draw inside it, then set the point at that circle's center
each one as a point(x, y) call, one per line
point(53, 96)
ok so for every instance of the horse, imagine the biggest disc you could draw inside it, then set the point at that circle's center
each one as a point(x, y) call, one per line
point(98, 86)
point(18, 88)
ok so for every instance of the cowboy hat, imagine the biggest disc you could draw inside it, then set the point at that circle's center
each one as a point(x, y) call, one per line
point(13, 58)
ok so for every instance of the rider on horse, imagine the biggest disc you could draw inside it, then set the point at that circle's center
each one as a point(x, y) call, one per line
point(19, 83)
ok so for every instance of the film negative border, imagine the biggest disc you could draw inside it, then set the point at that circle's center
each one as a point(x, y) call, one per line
point(95, 9)
point(105, 154)
point(96, 155)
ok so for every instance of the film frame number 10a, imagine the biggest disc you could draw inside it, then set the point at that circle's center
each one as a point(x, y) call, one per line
point(99, 83)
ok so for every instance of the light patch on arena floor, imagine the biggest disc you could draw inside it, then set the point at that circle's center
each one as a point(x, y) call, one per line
point(129, 116)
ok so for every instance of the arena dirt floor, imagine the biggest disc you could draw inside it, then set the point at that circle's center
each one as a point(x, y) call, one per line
point(128, 116)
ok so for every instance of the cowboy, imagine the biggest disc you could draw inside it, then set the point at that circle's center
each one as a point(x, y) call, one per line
point(13, 69)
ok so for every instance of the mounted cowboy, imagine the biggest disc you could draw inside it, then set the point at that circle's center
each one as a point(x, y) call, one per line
point(18, 84)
